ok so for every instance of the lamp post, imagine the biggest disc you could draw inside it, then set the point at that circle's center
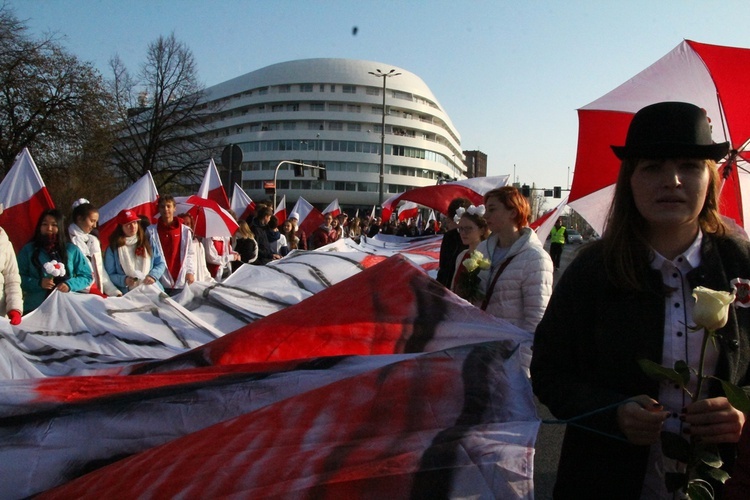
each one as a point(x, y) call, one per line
point(384, 76)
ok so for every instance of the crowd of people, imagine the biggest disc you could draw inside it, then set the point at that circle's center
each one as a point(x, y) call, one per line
point(623, 299)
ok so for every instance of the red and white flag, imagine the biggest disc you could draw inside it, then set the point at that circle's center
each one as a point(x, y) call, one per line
point(408, 210)
point(333, 208)
point(280, 211)
point(372, 214)
point(439, 197)
point(242, 205)
point(141, 197)
point(310, 217)
point(25, 197)
point(212, 188)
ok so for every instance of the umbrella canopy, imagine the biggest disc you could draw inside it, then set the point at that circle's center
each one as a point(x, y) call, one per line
point(709, 76)
point(210, 219)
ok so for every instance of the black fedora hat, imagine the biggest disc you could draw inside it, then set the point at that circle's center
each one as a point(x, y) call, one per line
point(670, 130)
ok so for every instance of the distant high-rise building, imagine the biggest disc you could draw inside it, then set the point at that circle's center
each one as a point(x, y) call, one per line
point(329, 111)
point(476, 164)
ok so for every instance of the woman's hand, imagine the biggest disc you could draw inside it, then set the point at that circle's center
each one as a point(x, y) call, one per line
point(131, 282)
point(641, 419)
point(149, 280)
point(47, 283)
point(63, 287)
point(714, 420)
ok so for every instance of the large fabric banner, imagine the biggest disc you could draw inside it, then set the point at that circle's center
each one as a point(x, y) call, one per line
point(341, 373)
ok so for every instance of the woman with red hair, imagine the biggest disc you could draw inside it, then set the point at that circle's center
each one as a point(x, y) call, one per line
point(518, 284)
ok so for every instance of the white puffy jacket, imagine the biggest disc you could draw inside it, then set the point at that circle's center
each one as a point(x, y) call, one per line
point(525, 285)
point(11, 296)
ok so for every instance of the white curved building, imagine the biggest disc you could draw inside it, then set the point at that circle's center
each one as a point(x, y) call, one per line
point(329, 111)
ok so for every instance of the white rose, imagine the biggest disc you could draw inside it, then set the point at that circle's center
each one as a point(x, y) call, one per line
point(711, 309)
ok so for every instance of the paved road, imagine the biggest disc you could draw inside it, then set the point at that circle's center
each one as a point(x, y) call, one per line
point(550, 436)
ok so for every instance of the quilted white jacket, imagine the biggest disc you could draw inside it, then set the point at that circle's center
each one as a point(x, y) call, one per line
point(11, 296)
point(525, 285)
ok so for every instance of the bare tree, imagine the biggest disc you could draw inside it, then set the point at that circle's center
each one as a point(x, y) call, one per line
point(55, 105)
point(161, 114)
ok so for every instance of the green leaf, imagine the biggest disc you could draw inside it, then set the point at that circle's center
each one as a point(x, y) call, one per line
point(675, 481)
point(659, 373)
point(675, 446)
point(709, 455)
point(700, 490)
point(736, 396)
point(683, 370)
point(717, 474)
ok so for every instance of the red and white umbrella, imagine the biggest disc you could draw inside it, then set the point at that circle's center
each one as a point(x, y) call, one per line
point(210, 219)
point(709, 76)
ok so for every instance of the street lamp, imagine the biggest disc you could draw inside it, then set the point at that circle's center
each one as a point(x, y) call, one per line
point(384, 76)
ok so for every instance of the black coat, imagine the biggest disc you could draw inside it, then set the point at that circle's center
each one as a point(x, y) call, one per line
point(585, 357)
point(449, 250)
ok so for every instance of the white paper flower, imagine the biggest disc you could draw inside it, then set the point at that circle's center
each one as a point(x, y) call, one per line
point(54, 268)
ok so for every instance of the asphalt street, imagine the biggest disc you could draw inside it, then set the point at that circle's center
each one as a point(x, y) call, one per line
point(549, 439)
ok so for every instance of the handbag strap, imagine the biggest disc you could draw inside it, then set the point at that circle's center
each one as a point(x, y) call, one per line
point(491, 289)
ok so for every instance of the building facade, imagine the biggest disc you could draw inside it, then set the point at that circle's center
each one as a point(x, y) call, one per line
point(476, 164)
point(329, 112)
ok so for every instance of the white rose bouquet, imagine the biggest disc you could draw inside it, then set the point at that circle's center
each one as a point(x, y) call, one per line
point(468, 282)
point(54, 269)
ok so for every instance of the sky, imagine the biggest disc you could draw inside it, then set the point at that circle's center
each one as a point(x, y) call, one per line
point(510, 74)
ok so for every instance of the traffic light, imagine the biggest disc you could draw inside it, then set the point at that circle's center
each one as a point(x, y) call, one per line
point(526, 190)
point(558, 192)
point(299, 171)
point(322, 175)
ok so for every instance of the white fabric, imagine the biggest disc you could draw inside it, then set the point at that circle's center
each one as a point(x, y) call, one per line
point(212, 256)
point(523, 290)
point(278, 244)
point(134, 266)
point(201, 269)
point(11, 297)
point(89, 245)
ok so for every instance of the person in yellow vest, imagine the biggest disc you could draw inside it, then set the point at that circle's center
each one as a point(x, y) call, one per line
point(557, 240)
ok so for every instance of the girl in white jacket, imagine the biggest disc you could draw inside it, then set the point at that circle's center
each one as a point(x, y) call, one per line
point(11, 296)
point(519, 283)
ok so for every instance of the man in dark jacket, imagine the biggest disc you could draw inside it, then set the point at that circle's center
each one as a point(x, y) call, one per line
point(265, 254)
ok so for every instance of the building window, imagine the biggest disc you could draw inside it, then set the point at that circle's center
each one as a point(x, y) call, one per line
point(277, 107)
point(349, 89)
point(239, 130)
point(285, 89)
point(354, 127)
point(373, 91)
point(315, 125)
point(290, 125)
point(353, 108)
point(335, 107)
point(263, 91)
point(338, 126)
point(333, 88)
point(305, 87)
point(322, 87)
point(377, 110)
point(317, 106)
point(292, 107)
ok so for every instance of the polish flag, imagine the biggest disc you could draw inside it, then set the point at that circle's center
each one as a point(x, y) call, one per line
point(408, 210)
point(242, 205)
point(280, 211)
point(543, 225)
point(310, 217)
point(372, 214)
point(212, 188)
point(334, 209)
point(140, 197)
point(25, 197)
point(439, 197)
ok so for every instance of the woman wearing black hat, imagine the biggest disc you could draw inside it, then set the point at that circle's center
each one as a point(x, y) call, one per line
point(628, 297)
